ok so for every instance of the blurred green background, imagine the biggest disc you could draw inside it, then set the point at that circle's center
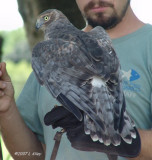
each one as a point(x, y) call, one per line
point(17, 55)
point(16, 44)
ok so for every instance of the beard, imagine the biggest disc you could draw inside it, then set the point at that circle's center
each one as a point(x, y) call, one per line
point(101, 20)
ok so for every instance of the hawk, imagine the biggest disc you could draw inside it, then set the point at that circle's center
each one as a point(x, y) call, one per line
point(82, 71)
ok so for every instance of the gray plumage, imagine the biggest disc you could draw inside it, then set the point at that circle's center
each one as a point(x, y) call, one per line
point(82, 71)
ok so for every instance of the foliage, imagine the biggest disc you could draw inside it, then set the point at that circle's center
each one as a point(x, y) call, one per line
point(19, 72)
point(16, 47)
point(20, 52)
point(11, 38)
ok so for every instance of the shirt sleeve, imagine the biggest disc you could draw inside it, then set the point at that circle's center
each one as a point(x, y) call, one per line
point(149, 60)
point(27, 104)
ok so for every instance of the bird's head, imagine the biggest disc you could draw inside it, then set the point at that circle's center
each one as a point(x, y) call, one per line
point(47, 17)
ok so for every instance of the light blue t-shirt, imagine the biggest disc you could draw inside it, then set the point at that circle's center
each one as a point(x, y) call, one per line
point(135, 54)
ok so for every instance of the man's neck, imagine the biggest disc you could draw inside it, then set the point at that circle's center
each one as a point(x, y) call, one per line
point(130, 23)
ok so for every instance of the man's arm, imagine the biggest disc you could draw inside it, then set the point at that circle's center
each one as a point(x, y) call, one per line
point(19, 139)
point(146, 145)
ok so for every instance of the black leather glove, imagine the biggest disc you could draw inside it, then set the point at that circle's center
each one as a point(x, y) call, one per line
point(60, 117)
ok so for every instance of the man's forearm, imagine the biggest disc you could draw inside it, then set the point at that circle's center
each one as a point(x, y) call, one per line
point(19, 139)
point(146, 145)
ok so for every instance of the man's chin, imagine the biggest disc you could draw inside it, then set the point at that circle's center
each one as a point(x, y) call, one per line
point(96, 22)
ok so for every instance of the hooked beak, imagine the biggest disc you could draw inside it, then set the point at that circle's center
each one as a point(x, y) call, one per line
point(39, 23)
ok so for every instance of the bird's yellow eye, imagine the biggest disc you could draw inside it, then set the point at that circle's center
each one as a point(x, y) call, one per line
point(46, 18)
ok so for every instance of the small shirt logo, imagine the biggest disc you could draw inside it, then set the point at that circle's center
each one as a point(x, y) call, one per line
point(131, 75)
point(130, 83)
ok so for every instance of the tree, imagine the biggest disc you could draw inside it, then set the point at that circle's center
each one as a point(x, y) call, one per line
point(29, 11)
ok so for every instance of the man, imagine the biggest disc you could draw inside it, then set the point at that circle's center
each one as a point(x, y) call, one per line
point(132, 41)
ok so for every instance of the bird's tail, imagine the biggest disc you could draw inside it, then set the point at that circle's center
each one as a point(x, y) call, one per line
point(110, 135)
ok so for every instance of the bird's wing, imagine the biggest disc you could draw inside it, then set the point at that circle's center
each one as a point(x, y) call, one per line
point(68, 72)
point(100, 48)
point(62, 67)
point(102, 37)
point(106, 64)
point(54, 63)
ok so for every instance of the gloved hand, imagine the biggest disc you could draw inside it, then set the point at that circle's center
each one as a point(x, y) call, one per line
point(60, 117)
